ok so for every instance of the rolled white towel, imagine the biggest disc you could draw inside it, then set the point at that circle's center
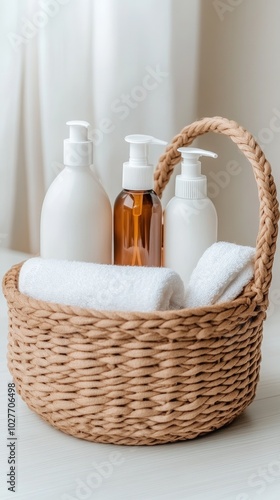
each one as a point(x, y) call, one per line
point(220, 275)
point(103, 287)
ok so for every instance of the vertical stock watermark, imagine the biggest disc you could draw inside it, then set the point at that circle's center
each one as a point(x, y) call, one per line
point(47, 10)
point(223, 7)
point(11, 437)
point(85, 487)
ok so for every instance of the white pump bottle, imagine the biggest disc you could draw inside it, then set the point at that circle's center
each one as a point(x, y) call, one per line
point(190, 218)
point(76, 218)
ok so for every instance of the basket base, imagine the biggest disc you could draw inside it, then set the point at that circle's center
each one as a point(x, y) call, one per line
point(140, 437)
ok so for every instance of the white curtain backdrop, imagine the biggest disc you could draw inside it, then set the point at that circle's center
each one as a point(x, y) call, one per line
point(110, 62)
point(133, 66)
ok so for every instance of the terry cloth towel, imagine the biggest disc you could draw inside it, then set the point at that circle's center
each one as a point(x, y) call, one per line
point(103, 287)
point(220, 275)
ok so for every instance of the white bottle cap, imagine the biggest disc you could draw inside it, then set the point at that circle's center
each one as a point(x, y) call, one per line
point(78, 149)
point(191, 184)
point(138, 175)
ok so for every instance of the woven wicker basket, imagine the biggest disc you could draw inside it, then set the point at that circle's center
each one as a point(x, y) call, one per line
point(148, 378)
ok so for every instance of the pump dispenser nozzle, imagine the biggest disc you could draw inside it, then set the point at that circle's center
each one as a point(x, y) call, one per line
point(137, 173)
point(191, 183)
point(78, 149)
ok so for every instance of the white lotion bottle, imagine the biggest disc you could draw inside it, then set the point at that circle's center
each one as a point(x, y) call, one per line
point(76, 217)
point(190, 218)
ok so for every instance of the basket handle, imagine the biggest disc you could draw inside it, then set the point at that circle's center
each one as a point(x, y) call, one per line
point(268, 212)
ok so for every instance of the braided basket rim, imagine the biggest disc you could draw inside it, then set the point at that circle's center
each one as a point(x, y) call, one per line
point(255, 292)
point(153, 377)
point(13, 295)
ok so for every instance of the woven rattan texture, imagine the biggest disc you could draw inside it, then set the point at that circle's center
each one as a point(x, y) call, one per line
point(147, 378)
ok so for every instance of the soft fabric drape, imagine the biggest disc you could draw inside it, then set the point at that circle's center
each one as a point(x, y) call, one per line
point(134, 66)
point(118, 64)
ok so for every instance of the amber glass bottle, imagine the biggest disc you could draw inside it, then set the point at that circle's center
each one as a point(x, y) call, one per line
point(137, 210)
point(137, 229)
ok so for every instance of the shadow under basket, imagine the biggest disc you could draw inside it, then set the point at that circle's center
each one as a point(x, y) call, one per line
point(148, 378)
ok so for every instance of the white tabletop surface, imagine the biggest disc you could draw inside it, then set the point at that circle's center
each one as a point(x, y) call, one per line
point(240, 462)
